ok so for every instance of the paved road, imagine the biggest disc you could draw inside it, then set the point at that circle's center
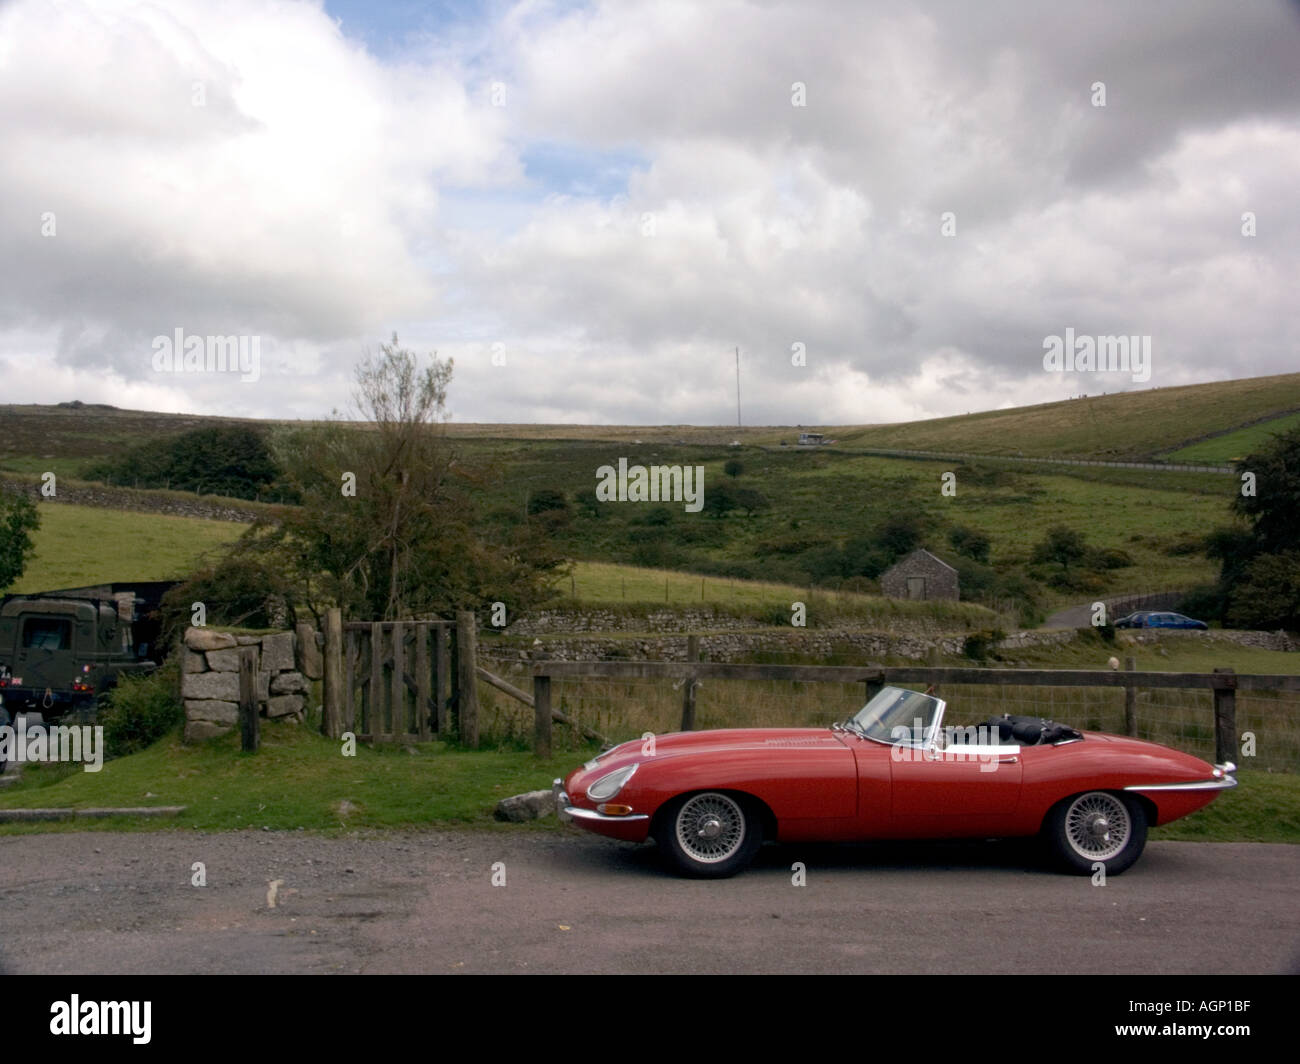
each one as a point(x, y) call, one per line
point(424, 902)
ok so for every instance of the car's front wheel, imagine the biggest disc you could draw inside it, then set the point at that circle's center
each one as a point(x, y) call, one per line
point(709, 835)
point(1097, 827)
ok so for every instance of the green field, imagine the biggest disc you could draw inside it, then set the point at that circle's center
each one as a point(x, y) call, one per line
point(1234, 446)
point(80, 545)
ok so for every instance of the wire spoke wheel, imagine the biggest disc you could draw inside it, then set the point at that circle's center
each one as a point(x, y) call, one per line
point(1097, 826)
point(710, 828)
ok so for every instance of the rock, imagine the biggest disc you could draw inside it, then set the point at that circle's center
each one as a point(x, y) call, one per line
point(249, 640)
point(311, 663)
point(222, 686)
point(192, 661)
point(224, 660)
point(206, 639)
point(283, 705)
point(523, 807)
point(290, 683)
point(277, 652)
point(198, 730)
point(212, 710)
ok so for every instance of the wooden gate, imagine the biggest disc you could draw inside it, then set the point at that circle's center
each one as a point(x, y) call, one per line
point(396, 680)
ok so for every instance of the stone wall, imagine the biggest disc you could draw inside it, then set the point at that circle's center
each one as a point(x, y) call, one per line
point(680, 619)
point(114, 498)
point(739, 646)
point(287, 662)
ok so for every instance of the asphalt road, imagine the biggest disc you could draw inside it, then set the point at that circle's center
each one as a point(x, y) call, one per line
point(425, 903)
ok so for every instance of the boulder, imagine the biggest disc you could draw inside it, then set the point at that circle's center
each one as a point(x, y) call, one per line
point(283, 705)
point(224, 660)
point(206, 639)
point(277, 652)
point(290, 683)
point(527, 806)
point(311, 663)
point(192, 661)
point(198, 730)
point(212, 710)
point(222, 686)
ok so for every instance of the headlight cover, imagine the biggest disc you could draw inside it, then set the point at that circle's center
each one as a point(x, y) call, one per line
point(609, 785)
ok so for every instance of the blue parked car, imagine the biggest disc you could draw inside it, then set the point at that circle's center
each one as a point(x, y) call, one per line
point(1156, 619)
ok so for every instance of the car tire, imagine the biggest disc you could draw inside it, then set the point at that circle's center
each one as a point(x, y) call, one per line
point(1096, 827)
point(709, 834)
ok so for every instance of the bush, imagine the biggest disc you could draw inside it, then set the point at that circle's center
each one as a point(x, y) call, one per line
point(980, 646)
point(140, 710)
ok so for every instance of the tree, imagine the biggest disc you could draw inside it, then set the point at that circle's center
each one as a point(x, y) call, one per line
point(750, 500)
point(1273, 509)
point(387, 524)
point(1061, 545)
point(1258, 575)
point(900, 534)
point(971, 543)
point(1269, 594)
point(19, 519)
point(734, 467)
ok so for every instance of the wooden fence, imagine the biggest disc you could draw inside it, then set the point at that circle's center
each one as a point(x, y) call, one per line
point(1224, 683)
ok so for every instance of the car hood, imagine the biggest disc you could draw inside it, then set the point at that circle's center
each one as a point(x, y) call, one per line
point(1173, 765)
point(679, 744)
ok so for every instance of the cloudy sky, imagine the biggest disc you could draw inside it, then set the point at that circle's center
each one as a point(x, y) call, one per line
point(589, 206)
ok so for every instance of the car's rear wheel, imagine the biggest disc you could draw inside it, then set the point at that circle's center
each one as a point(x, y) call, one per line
point(1096, 827)
point(709, 835)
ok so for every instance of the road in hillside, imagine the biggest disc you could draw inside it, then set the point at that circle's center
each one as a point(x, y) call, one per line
point(572, 903)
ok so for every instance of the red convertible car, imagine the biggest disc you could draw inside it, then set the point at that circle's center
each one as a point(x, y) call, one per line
point(892, 771)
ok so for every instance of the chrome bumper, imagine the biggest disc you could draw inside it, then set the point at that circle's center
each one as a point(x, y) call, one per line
point(568, 813)
point(561, 800)
point(1224, 780)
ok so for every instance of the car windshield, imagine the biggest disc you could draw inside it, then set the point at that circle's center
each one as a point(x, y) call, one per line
point(895, 714)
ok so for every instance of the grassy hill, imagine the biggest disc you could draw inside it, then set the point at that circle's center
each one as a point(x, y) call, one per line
point(818, 500)
point(1126, 425)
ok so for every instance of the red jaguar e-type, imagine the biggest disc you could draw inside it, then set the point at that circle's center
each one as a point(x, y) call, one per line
point(892, 771)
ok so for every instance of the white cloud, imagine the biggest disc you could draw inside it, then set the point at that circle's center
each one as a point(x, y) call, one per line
point(323, 197)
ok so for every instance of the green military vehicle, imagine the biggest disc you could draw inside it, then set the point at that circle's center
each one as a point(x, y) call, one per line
point(60, 650)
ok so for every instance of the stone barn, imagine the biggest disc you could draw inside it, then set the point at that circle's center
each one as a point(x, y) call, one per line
point(920, 576)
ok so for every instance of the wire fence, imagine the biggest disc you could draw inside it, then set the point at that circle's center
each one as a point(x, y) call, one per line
point(1268, 722)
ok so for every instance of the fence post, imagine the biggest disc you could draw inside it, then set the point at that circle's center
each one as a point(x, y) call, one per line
point(688, 685)
point(874, 685)
point(467, 678)
point(441, 680)
point(542, 716)
point(331, 724)
point(398, 695)
point(1130, 699)
point(1225, 716)
point(422, 681)
point(248, 722)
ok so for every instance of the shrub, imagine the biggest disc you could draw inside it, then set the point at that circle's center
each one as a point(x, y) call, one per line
point(140, 710)
point(982, 645)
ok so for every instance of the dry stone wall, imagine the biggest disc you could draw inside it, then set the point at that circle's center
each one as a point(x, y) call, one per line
point(287, 662)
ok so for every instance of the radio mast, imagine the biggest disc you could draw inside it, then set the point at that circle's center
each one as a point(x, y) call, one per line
point(737, 387)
